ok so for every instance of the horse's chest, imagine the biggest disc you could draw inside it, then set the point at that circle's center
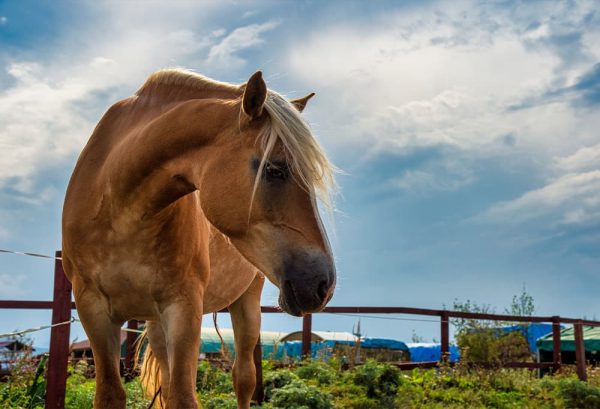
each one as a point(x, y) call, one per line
point(127, 287)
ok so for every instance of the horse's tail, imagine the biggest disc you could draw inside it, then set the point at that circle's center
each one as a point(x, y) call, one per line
point(149, 371)
point(224, 350)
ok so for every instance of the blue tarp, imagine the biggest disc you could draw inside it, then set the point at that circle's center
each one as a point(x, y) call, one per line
point(383, 343)
point(531, 332)
point(430, 352)
point(293, 349)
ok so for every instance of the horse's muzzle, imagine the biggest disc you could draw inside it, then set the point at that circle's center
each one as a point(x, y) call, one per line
point(307, 283)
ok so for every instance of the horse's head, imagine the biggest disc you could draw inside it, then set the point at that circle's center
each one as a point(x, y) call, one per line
point(260, 190)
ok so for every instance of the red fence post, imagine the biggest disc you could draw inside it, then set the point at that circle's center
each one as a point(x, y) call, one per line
point(445, 336)
point(56, 376)
point(556, 358)
point(306, 335)
point(259, 395)
point(580, 351)
point(132, 336)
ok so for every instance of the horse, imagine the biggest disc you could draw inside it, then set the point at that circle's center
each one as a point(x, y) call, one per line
point(187, 194)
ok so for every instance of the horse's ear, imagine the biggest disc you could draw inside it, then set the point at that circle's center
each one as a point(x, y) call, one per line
point(255, 95)
point(300, 103)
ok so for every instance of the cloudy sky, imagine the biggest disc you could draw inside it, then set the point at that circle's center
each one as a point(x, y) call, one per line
point(468, 134)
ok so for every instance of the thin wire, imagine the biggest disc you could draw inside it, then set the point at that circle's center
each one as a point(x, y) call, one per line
point(43, 327)
point(35, 329)
point(384, 318)
point(25, 253)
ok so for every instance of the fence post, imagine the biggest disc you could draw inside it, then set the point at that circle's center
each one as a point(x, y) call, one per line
point(556, 357)
point(130, 349)
point(259, 395)
point(56, 376)
point(580, 351)
point(306, 335)
point(445, 336)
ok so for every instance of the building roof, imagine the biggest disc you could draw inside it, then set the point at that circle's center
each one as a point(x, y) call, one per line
point(591, 340)
point(318, 336)
point(210, 339)
point(85, 344)
point(12, 344)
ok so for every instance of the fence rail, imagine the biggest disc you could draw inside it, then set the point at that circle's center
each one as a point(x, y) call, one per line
point(61, 307)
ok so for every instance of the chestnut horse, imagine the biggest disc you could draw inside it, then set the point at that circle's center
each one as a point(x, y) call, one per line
point(183, 195)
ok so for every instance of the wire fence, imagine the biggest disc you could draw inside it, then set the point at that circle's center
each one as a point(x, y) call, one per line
point(62, 319)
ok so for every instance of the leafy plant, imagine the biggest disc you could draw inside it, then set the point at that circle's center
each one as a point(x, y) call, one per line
point(577, 394)
point(211, 378)
point(522, 304)
point(274, 380)
point(298, 395)
point(319, 371)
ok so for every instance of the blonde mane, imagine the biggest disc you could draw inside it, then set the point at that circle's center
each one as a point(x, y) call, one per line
point(305, 158)
point(178, 77)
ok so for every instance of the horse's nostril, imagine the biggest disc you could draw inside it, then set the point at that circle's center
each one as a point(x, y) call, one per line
point(322, 290)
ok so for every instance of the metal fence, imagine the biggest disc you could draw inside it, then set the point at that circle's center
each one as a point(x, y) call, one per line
point(61, 306)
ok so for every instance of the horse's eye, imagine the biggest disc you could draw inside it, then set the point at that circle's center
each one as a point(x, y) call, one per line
point(274, 172)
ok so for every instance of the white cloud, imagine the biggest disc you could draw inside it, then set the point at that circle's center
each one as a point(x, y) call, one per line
point(446, 77)
point(444, 176)
point(10, 285)
point(51, 107)
point(587, 158)
point(39, 126)
point(572, 199)
point(444, 74)
point(3, 20)
point(223, 55)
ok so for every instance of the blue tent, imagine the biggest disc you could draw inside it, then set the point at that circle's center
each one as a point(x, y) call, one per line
point(430, 352)
point(383, 343)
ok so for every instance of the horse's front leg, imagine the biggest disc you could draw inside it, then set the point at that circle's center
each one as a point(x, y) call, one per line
point(105, 339)
point(245, 316)
point(181, 322)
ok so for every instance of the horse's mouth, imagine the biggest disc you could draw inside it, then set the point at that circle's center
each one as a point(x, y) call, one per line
point(288, 301)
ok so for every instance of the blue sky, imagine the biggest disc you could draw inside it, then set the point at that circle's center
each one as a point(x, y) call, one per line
point(467, 131)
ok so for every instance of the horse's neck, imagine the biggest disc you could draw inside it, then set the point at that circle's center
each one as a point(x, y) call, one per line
point(157, 161)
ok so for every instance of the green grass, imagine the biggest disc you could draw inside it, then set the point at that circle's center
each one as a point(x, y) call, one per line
point(318, 385)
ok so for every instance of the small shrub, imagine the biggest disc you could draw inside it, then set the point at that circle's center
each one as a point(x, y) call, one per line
point(25, 387)
point(378, 379)
point(276, 380)
point(319, 371)
point(210, 378)
point(490, 345)
point(221, 403)
point(298, 395)
point(578, 394)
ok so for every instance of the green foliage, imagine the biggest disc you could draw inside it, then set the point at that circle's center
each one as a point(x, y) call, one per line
point(522, 304)
point(492, 346)
point(379, 380)
point(483, 341)
point(299, 395)
point(577, 394)
point(221, 402)
point(317, 385)
point(319, 371)
point(210, 378)
point(463, 324)
point(274, 380)
point(25, 388)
